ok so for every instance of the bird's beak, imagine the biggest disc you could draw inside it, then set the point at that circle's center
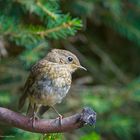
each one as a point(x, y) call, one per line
point(81, 67)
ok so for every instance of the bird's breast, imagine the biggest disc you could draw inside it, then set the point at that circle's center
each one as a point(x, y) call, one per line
point(50, 91)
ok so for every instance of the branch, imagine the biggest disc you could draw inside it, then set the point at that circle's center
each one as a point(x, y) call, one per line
point(65, 25)
point(51, 14)
point(87, 116)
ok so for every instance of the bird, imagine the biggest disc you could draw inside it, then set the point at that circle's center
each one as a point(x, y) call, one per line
point(49, 82)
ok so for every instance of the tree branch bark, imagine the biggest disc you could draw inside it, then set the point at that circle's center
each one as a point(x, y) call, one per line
point(9, 117)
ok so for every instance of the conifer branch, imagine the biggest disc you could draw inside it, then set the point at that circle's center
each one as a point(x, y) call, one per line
point(49, 13)
point(55, 29)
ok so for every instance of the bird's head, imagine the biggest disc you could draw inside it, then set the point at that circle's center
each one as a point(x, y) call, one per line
point(64, 57)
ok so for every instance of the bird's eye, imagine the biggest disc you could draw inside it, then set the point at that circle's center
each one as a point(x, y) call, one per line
point(70, 59)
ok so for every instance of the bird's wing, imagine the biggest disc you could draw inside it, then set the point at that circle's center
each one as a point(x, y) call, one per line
point(34, 74)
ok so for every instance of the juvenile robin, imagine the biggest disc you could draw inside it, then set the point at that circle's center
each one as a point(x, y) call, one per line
point(49, 82)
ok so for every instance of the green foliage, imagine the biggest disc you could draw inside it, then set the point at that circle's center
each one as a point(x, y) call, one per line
point(45, 21)
point(133, 90)
point(92, 136)
point(114, 109)
point(123, 19)
point(54, 136)
point(56, 24)
point(18, 134)
point(4, 98)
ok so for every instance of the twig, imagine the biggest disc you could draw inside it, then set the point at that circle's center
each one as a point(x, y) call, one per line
point(87, 116)
point(51, 14)
point(55, 29)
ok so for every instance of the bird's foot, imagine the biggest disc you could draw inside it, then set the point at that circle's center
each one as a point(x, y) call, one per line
point(60, 117)
point(33, 119)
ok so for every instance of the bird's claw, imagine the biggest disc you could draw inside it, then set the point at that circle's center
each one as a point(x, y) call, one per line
point(60, 117)
point(33, 119)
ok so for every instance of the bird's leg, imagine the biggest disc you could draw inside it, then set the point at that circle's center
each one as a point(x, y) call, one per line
point(60, 116)
point(34, 115)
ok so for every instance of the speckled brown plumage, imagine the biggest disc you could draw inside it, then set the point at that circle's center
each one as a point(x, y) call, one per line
point(49, 80)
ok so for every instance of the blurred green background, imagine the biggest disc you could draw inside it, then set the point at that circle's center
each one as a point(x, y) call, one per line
point(104, 34)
